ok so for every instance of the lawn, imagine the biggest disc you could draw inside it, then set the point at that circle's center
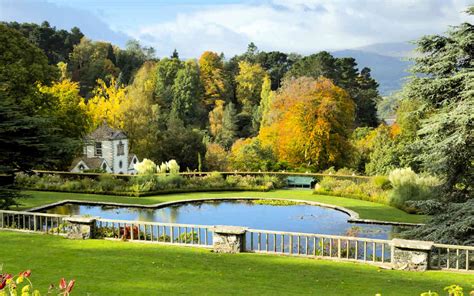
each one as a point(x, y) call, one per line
point(366, 210)
point(122, 268)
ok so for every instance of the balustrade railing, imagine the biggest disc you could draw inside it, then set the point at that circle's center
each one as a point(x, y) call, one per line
point(375, 251)
point(181, 234)
point(452, 257)
point(36, 222)
point(366, 250)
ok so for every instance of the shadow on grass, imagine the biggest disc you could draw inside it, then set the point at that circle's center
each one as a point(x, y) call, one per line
point(122, 268)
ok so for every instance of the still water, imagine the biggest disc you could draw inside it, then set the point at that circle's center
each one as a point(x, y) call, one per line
point(292, 218)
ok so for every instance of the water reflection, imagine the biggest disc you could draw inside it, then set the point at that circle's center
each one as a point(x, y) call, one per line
point(295, 218)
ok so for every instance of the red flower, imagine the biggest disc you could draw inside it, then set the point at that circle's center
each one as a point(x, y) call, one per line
point(26, 273)
point(3, 279)
point(62, 284)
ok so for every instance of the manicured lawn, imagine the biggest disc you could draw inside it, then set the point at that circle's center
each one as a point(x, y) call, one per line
point(122, 268)
point(366, 210)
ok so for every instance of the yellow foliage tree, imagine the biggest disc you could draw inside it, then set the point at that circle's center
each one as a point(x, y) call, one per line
point(70, 108)
point(141, 111)
point(216, 117)
point(311, 122)
point(212, 78)
point(249, 84)
point(106, 104)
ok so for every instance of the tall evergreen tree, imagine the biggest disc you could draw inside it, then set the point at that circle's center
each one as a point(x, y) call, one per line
point(30, 135)
point(229, 130)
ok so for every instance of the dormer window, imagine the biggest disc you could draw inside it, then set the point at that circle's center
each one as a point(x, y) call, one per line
point(120, 149)
point(98, 148)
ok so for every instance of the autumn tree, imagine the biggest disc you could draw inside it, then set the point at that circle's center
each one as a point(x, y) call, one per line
point(216, 118)
point(311, 122)
point(143, 119)
point(249, 85)
point(266, 99)
point(106, 104)
point(216, 157)
point(70, 109)
point(213, 79)
point(360, 85)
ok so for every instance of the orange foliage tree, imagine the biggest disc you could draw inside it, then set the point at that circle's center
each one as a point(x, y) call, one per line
point(310, 123)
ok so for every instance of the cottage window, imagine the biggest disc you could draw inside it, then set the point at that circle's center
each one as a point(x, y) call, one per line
point(81, 167)
point(104, 167)
point(120, 164)
point(98, 148)
point(120, 149)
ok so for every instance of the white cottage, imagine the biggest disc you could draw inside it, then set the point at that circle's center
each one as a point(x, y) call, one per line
point(106, 149)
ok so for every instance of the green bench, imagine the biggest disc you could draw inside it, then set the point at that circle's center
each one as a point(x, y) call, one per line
point(300, 182)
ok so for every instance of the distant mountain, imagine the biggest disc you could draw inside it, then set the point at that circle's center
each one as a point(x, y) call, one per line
point(389, 68)
point(393, 49)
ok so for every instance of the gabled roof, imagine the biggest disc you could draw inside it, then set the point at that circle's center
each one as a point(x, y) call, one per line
point(105, 133)
point(91, 163)
point(130, 158)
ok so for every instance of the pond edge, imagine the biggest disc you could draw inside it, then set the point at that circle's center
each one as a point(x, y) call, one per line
point(353, 216)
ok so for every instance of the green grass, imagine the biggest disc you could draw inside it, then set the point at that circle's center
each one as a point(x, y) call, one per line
point(366, 209)
point(121, 268)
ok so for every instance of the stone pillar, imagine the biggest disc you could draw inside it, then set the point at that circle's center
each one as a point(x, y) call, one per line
point(411, 255)
point(80, 227)
point(229, 239)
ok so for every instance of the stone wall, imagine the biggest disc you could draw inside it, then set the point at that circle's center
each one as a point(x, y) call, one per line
point(229, 239)
point(411, 255)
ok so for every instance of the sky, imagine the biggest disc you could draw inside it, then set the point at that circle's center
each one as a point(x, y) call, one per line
point(193, 26)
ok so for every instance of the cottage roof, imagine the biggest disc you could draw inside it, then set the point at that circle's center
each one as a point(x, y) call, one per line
point(105, 133)
point(92, 163)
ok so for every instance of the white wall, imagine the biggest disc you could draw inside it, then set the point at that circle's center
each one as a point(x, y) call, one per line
point(120, 158)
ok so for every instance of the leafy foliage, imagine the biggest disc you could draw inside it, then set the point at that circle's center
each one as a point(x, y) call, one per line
point(361, 87)
point(445, 137)
point(56, 44)
point(311, 123)
point(453, 223)
point(251, 155)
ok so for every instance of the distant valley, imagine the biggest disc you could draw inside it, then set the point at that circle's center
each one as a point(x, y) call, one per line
point(388, 61)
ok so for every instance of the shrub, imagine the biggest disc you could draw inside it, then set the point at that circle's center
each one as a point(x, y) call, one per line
point(148, 183)
point(109, 183)
point(382, 182)
point(173, 167)
point(365, 190)
point(409, 186)
point(146, 167)
point(72, 185)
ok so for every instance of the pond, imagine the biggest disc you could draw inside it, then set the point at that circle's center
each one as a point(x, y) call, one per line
point(293, 218)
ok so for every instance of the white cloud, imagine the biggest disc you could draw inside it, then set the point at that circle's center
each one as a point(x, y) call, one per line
point(302, 26)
